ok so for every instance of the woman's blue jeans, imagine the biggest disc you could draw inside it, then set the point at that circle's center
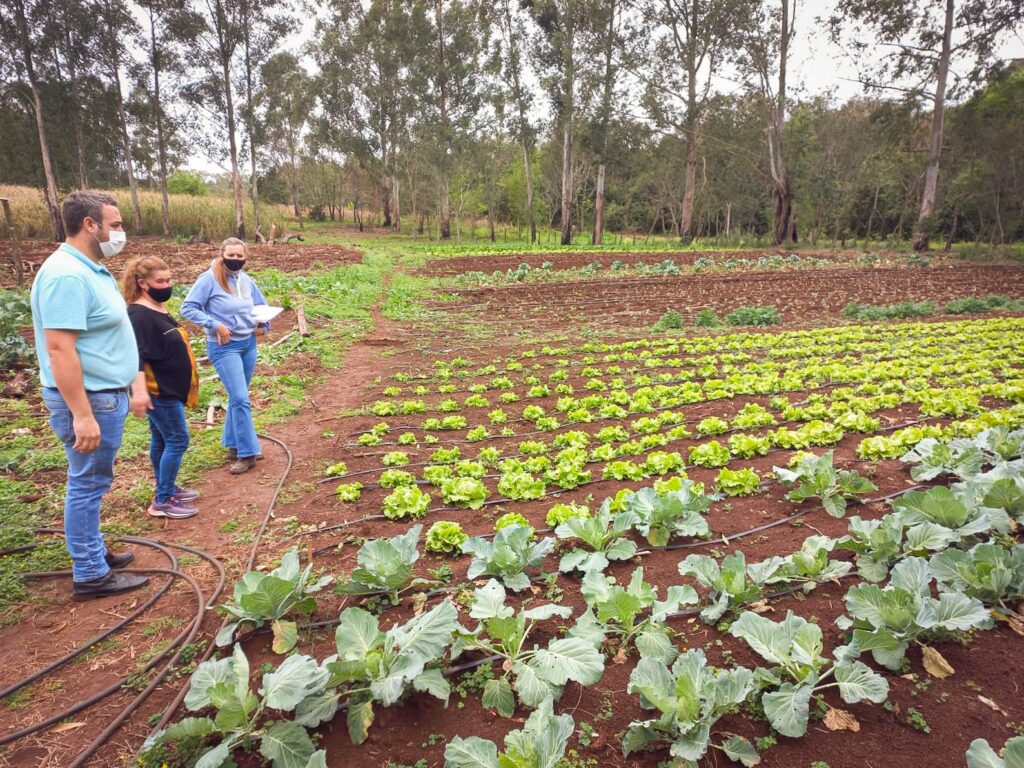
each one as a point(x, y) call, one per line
point(168, 442)
point(89, 476)
point(235, 362)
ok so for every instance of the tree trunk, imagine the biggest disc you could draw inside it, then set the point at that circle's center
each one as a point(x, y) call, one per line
point(871, 216)
point(782, 193)
point(71, 52)
point(598, 238)
point(161, 144)
point(396, 207)
point(690, 181)
point(250, 121)
point(115, 69)
point(531, 219)
point(728, 219)
point(952, 229)
point(567, 183)
point(931, 177)
point(236, 178)
point(50, 188)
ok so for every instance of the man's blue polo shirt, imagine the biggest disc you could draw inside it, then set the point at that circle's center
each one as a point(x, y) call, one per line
point(71, 292)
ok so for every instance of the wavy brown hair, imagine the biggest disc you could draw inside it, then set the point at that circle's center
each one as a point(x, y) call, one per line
point(220, 272)
point(142, 268)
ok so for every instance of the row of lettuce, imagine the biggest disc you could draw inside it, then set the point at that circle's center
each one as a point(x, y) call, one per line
point(940, 566)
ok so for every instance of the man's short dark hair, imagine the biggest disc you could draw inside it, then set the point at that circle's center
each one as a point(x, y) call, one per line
point(78, 205)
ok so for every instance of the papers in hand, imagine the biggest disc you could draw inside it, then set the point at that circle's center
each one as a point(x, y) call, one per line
point(264, 313)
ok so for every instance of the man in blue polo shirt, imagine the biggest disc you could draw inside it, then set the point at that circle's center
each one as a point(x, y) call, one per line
point(89, 367)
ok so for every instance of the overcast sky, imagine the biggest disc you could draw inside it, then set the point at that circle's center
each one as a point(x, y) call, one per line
point(817, 65)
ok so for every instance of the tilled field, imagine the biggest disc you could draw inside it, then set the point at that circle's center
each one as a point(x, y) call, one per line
point(801, 297)
point(188, 261)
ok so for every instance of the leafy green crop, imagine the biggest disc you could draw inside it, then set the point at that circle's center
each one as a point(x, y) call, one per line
point(540, 744)
point(739, 482)
point(816, 477)
point(981, 755)
point(887, 620)
point(661, 516)
point(406, 501)
point(690, 698)
point(520, 486)
point(385, 566)
point(531, 675)
point(349, 491)
point(794, 647)
point(932, 458)
point(604, 535)
point(464, 492)
point(730, 585)
point(382, 667)
point(621, 613)
point(445, 538)
point(988, 572)
point(711, 454)
point(508, 556)
point(260, 597)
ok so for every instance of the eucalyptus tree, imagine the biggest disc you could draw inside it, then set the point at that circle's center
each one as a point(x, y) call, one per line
point(692, 41)
point(20, 21)
point(288, 96)
point(919, 41)
point(366, 53)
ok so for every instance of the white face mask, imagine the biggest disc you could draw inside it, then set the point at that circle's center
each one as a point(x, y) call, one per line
point(113, 246)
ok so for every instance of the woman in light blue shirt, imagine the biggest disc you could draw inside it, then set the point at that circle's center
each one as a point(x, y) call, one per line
point(222, 301)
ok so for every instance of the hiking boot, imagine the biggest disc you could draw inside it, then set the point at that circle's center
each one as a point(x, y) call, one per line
point(184, 494)
point(119, 560)
point(113, 583)
point(233, 455)
point(243, 465)
point(173, 509)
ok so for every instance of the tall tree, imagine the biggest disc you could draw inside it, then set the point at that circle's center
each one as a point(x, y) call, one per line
point(288, 95)
point(365, 84)
point(19, 19)
point(560, 47)
point(115, 22)
point(921, 39)
point(692, 42)
point(223, 31)
point(509, 63)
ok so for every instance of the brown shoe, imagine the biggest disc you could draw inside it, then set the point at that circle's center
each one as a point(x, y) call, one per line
point(232, 454)
point(243, 465)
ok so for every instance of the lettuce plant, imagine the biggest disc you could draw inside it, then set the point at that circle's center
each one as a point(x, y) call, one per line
point(464, 492)
point(689, 699)
point(531, 675)
point(336, 470)
point(406, 501)
point(395, 459)
point(662, 462)
point(744, 446)
point(349, 491)
point(508, 556)
point(568, 474)
point(444, 538)
point(887, 620)
point(711, 454)
point(261, 597)
point(562, 513)
point(794, 647)
point(393, 478)
point(622, 470)
point(520, 486)
point(739, 482)
point(510, 519)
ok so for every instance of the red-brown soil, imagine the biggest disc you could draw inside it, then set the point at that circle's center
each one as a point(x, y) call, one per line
point(802, 297)
point(988, 667)
point(188, 261)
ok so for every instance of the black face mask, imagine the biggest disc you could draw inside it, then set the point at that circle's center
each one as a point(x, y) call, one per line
point(159, 295)
point(234, 264)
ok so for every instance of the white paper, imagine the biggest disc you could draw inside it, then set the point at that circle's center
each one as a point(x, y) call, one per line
point(264, 313)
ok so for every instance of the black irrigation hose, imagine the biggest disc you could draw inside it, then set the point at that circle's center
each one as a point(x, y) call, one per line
point(172, 708)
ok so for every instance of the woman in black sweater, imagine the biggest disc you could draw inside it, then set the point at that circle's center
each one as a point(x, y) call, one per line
point(165, 356)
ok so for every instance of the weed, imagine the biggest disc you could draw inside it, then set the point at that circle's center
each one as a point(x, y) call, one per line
point(915, 719)
point(586, 734)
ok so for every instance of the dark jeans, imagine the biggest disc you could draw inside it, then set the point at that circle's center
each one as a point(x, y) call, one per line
point(168, 442)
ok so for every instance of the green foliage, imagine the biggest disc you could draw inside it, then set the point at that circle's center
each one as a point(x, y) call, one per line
point(711, 454)
point(706, 318)
point(183, 182)
point(385, 566)
point(562, 513)
point(886, 620)
point(530, 675)
point(739, 482)
point(662, 516)
point(15, 314)
point(760, 316)
point(520, 486)
point(406, 502)
point(604, 537)
point(730, 585)
point(540, 744)
point(508, 556)
point(981, 755)
point(670, 321)
point(690, 698)
point(816, 477)
point(261, 597)
point(445, 538)
point(464, 492)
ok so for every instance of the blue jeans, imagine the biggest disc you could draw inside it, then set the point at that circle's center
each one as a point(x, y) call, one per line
point(89, 476)
point(168, 442)
point(235, 362)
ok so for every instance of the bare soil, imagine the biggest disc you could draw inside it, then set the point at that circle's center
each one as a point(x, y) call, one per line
point(983, 699)
point(188, 261)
